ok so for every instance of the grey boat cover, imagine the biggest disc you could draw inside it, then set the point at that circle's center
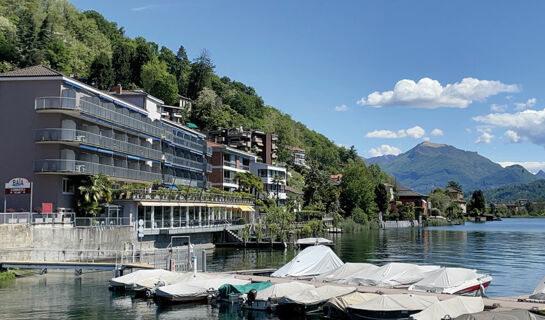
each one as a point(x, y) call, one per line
point(501, 315)
point(397, 302)
point(444, 278)
point(393, 274)
point(343, 302)
point(196, 288)
point(280, 290)
point(313, 241)
point(452, 307)
point(312, 261)
point(346, 272)
point(317, 295)
point(140, 275)
point(166, 279)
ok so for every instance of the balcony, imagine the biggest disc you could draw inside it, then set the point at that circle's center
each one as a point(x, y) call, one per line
point(173, 180)
point(80, 105)
point(90, 168)
point(231, 164)
point(229, 180)
point(184, 162)
point(80, 136)
point(195, 146)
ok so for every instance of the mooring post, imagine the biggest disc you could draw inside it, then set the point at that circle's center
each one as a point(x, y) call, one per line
point(203, 260)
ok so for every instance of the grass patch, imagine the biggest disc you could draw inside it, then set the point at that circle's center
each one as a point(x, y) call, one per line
point(7, 275)
point(348, 225)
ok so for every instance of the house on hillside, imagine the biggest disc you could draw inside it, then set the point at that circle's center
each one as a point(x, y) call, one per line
point(457, 197)
point(297, 155)
point(407, 195)
point(391, 192)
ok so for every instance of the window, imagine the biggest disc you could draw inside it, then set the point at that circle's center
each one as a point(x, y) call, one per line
point(67, 186)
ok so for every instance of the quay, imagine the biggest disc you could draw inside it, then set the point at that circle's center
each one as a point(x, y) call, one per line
point(491, 304)
point(44, 265)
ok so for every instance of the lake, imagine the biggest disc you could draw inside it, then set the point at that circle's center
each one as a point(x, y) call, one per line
point(510, 250)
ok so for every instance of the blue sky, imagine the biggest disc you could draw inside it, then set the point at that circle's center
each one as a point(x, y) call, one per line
point(320, 60)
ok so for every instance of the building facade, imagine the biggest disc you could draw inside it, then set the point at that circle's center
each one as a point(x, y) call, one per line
point(263, 145)
point(55, 130)
point(297, 155)
point(225, 163)
point(273, 179)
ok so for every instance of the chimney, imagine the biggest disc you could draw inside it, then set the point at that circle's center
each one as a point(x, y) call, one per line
point(117, 89)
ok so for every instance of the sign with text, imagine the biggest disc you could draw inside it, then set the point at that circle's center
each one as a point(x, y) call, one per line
point(47, 207)
point(17, 186)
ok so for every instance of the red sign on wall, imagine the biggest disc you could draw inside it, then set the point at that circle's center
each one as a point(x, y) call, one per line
point(47, 207)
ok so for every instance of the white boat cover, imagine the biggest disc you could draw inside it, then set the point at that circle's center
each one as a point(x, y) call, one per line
point(452, 307)
point(540, 286)
point(195, 288)
point(317, 295)
point(444, 278)
point(346, 272)
point(280, 290)
point(171, 278)
point(313, 241)
point(397, 302)
point(341, 303)
point(140, 275)
point(312, 261)
point(391, 274)
point(502, 315)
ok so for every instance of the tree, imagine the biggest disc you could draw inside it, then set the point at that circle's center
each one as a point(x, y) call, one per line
point(121, 62)
point(357, 189)
point(381, 198)
point(477, 203)
point(158, 82)
point(440, 200)
point(94, 191)
point(407, 212)
point(143, 54)
point(200, 75)
point(278, 220)
point(57, 55)
point(455, 185)
point(249, 182)
point(318, 190)
point(101, 72)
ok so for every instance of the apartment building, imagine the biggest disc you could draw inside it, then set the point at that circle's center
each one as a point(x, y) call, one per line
point(297, 155)
point(273, 179)
point(263, 145)
point(225, 163)
point(55, 129)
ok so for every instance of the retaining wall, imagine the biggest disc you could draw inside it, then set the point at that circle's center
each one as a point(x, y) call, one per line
point(399, 224)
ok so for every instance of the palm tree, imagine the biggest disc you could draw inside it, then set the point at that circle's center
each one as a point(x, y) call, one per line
point(94, 191)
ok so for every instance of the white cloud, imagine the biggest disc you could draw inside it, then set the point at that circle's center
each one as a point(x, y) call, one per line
point(342, 107)
point(528, 124)
point(429, 93)
point(342, 145)
point(426, 138)
point(525, 105)
point(498, 108)
point(436, 132)
point(485, 137)
point(532, 166)
point(512, 136)
point(468, 130)
point(415, 132)
point(142, 8)
point(384, 150)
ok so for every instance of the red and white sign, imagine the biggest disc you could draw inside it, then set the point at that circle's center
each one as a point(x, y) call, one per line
point(17, 186)
point(47, 207)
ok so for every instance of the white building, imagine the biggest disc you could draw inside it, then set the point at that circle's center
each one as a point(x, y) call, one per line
point(274, 188)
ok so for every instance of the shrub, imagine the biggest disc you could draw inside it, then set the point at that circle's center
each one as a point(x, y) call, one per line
point(359, 216)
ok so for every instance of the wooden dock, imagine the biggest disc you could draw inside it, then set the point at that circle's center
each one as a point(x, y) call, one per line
point(493, 304)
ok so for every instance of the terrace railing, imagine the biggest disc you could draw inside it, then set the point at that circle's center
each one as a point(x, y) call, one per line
point(181, 196)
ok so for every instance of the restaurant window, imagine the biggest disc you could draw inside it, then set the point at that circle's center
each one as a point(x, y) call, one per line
point(67, 186)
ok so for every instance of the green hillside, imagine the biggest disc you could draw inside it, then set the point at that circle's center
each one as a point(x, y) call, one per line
point(84, 44)
point(508, 194)
point(429, 165)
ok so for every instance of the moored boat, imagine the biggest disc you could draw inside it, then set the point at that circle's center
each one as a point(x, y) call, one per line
point(306, 242)
point(311, 300)
point(267, 299)
point(395, 306)
point(336, 308)
point(311, 261)
point(459, 281)
point(450, 308)
point(129, 280)
point(195, 290)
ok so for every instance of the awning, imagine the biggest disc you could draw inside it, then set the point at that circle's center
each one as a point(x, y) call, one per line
point(170, 204)
point(246, 208)
point(220, 205)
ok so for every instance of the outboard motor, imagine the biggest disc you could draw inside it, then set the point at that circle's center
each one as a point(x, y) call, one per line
point(252, 295)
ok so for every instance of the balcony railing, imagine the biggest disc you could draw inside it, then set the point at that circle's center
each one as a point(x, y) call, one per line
point(173, 180)
point(72, 135)
point(75, 104)
point(231, 164)
point(181, 196)
point(229, 180)
point(90, 168)
point(184, 162)
point(195, 146)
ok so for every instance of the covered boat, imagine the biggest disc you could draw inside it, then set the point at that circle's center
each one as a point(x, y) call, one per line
point(452, 307)
point(502, 315)
point(395, 306)
point(128, 281)
point(393, 274)
point(539, 292)
point(150, 285)
point(346, 272)
point(267, 299)
point(453, 281)
point(311, 261)
point(337, 307)
point(195, 290)
point(305, 242)
point(311, 300)
point(227, 291)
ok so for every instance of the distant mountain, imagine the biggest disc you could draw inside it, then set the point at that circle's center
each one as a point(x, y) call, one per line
point(540, 174)
point(509, 194)
point(431, 165)
point(380, 159)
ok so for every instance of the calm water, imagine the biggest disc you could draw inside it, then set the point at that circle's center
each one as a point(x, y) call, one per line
point(511, 251)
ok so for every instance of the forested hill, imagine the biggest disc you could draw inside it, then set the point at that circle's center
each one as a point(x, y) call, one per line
point(509, 194)
point(84, 44)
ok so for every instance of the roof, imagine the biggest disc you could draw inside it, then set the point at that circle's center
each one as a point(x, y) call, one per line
point(34, 71)
point(406, 192)
point(295, 148)
point(452, 189)
point(293, 190)
point(336, 176)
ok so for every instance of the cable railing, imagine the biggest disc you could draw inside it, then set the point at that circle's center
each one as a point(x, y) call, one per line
point(80, 136)
point(90, 168)
point(181, 196)
point(36, 218)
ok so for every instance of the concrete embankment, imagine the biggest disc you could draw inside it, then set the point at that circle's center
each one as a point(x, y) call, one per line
point(399, 224)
